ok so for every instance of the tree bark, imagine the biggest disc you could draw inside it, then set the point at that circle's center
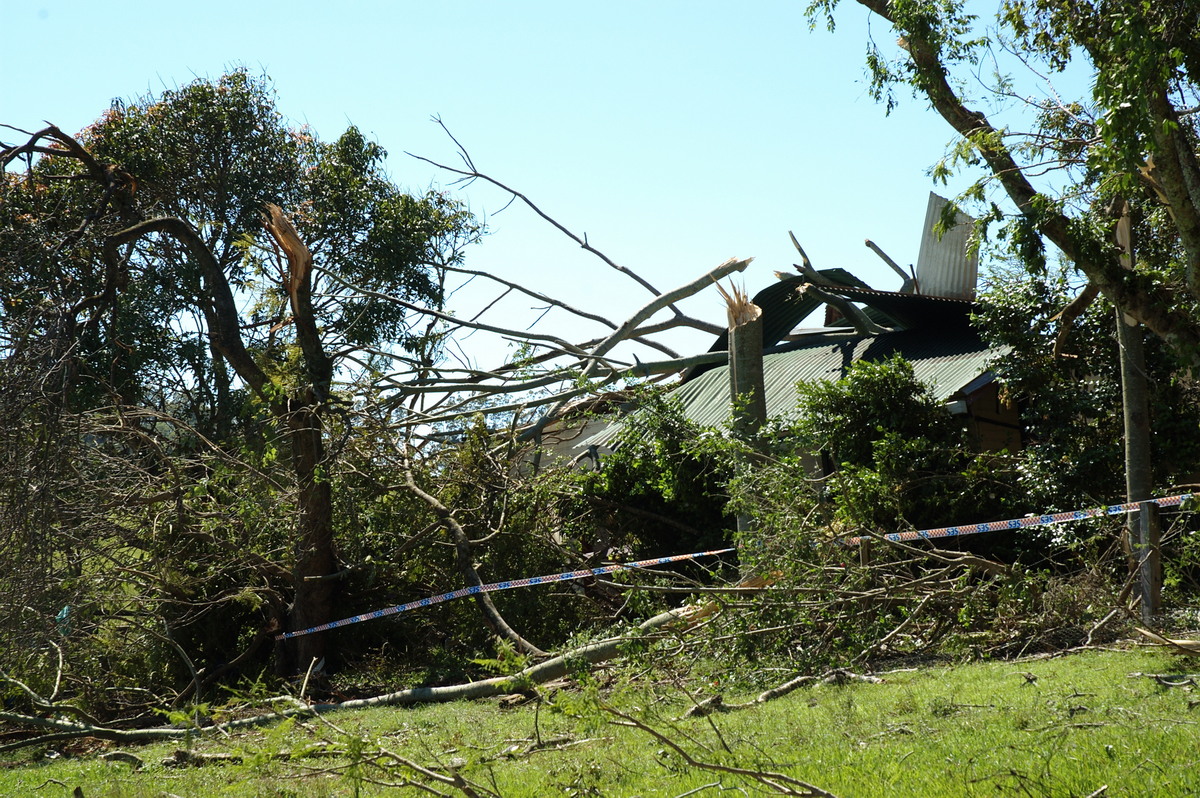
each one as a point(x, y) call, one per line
point(1150, 304)
point(315, 553)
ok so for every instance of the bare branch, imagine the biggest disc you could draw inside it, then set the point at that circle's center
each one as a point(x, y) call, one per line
point(627, 328)
point(910, 281)
point(462, 545)
point(854, 314)
point(471, 173)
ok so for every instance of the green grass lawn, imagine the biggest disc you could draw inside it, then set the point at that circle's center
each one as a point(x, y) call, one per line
point(1078, 724)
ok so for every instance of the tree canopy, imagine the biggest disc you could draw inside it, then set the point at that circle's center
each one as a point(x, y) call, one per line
point(191, 265)
point(212, 155)
point(217, 331)
point(1132, 137)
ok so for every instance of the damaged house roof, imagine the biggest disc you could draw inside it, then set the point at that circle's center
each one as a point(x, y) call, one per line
point(927, 324)
point(933, 333)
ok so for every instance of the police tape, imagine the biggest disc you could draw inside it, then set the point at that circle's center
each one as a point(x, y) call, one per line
point(922, 534)
point(1020, 523)
point(493, 587)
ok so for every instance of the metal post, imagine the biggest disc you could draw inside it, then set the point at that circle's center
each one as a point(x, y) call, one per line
point(1148, 557)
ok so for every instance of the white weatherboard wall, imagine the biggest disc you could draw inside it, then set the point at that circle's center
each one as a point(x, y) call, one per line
point(944, 267)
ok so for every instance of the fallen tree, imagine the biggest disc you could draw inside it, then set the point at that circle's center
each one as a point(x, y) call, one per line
point(317, 327)
point(59, 729)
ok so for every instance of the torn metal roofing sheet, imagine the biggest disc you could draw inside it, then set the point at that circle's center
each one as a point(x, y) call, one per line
point(947, 265)
point(945, 360)
point(911, 311)
point(783, 308)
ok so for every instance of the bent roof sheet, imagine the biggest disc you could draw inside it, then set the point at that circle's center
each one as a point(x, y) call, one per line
point(912, 310)
point(944, 360)
point(783, 308)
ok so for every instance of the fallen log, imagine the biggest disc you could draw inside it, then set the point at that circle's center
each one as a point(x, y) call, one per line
point(1191, 647)
point(548, 670)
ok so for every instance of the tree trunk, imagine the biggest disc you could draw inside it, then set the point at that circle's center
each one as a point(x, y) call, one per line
point(315, 554)
point(1135, 402)
point(747, 388)
point(1154, 305)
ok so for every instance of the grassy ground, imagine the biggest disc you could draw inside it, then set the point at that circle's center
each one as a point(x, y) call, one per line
point(1074, 726)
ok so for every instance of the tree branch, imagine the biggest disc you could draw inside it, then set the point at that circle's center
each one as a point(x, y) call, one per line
point(299, 288)
point(1151, 305)
point(462, 546)
point(471, 173)
point(220, 310)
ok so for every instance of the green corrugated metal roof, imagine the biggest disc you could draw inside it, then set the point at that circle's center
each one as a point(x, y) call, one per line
point(783, 307)
point(945, 360)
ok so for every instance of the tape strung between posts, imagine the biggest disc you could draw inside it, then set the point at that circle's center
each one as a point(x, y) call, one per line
point(476, 589)
point(923, 534)
point(1020, 523)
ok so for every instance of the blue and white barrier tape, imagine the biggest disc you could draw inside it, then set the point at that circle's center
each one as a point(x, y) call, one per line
point(1020, 523)
point(476, 589)
point(923, 534)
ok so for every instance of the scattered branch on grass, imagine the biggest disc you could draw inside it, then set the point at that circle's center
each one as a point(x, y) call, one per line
point(835, 676)
point(1170, 679)
point(780, 782)
point(1191, 647)
point(428, 776)
point(554, 668)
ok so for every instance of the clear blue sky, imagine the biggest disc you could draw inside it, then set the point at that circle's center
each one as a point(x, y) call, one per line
point(674, 134)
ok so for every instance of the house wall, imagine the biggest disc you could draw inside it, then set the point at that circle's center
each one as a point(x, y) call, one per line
point(993, 421)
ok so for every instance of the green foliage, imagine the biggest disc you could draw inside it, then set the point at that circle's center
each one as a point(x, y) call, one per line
point(848, 417)
point(212, 153)
point(899, 459)
point(660, 490)
point(1071, 406)
point(383, 242)
point(166, 517)
point(1089, 105)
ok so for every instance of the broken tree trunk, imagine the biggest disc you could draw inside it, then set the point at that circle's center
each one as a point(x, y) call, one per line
point(301, 414)
point(747, 391)
point(747, 387)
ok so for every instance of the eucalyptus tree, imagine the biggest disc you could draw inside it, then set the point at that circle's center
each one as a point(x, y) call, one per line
point(194, 255)
point(1128, 131)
